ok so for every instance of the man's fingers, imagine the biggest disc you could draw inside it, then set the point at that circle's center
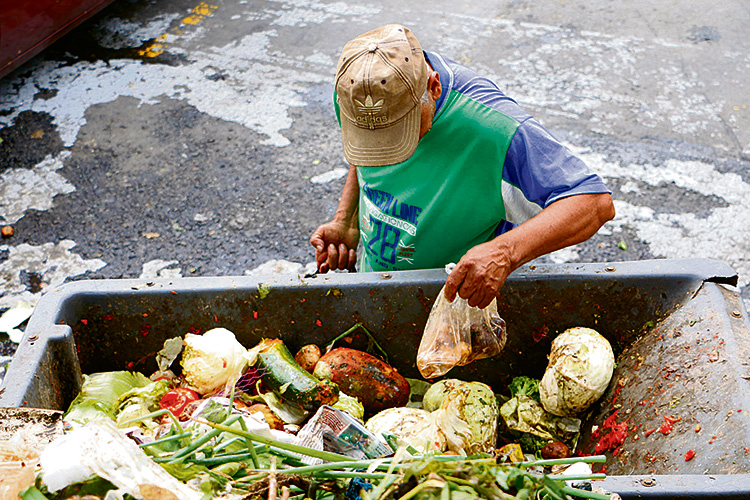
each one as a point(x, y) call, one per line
point(343, 256)
point(480, 299)
point(472, 288)
point(316, 240)
point(352, 260)
point(454, 282)
point(333, 257)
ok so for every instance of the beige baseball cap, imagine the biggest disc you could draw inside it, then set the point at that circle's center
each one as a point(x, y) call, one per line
point(380, 79)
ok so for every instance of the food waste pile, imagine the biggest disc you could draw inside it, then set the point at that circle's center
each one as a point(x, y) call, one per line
point(222, 420)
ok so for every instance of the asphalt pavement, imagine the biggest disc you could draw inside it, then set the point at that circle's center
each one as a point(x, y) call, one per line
point(184, 138)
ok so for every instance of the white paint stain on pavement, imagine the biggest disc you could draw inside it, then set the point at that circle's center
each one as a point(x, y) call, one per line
point(256, 92)
point(22, 189)
point(300, 13)
point(280, 266)
point(631, 81)
point(722, 235)
point(331, 175)
point(52, 263)
point(248, 83)
point(160, 269)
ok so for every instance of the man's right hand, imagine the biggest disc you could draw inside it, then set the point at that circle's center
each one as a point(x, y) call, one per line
point(335, 245)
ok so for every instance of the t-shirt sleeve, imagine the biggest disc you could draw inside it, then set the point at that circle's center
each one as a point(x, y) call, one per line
point(543, 170)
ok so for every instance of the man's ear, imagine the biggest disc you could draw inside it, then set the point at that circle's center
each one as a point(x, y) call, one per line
point(434, 86)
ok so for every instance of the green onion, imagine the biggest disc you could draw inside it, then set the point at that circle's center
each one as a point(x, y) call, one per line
point(347, 475)
point(157, 413)
point(575, 492)
point(323, 455)
point(599, 459)
point(229, 457)
point(248, 441)
point(166, 440)
point(180, 455)
point(226, 443)
point(31, 493)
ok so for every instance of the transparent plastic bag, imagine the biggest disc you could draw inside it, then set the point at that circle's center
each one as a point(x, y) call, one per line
point(457, 334)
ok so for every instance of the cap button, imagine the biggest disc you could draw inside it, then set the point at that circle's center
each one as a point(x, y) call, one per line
point(372, 47)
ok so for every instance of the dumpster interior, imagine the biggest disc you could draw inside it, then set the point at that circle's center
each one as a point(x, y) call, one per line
point(678, 403)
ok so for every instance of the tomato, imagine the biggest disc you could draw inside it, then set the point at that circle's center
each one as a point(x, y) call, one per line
point(175, 400)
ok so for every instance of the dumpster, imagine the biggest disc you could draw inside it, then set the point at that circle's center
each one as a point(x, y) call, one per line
point(680, 335)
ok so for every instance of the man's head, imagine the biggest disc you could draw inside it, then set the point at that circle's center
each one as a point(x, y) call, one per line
point(381, 79)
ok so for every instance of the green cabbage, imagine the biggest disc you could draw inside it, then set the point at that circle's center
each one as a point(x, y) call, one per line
point(413, 427)
point(467, 414)
point(212, 360)
point(139, 402)
point(100, 395)
point(526, 415)
point(351, 405)
point(580, 368)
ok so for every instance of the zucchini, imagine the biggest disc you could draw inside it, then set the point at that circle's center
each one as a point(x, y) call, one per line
point(289, 381)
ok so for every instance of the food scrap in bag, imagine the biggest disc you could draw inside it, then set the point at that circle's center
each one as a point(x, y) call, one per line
point(457, 334)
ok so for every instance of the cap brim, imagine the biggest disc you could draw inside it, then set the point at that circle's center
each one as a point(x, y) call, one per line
point(379, 147)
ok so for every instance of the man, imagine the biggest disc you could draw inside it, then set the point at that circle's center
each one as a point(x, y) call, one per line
point(446, 168)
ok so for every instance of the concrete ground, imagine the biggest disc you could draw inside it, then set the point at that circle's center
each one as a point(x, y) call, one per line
point(185, 138)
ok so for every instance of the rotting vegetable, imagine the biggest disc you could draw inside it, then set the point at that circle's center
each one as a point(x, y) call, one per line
point(211, 360)
point(581, 364)
point(467, 414)
point(376, 384)
point(100, 395)
point(413, 427)
point(307, 357)
point(525, 415)
point(274, 422)
point(177, 399)
point(141, 401)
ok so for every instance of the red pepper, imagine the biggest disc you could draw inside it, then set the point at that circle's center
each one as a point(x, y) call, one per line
point(689, 455)
point(177, 399)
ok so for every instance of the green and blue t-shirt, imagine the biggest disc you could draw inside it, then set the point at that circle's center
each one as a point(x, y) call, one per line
point(485, 166)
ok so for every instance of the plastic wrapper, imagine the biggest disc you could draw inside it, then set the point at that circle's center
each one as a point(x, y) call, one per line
point(17, 465)
point(100, 448)
point(457, 334)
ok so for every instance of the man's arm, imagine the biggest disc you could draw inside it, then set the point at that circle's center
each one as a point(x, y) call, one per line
point(482, 271)
point(336, 241)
